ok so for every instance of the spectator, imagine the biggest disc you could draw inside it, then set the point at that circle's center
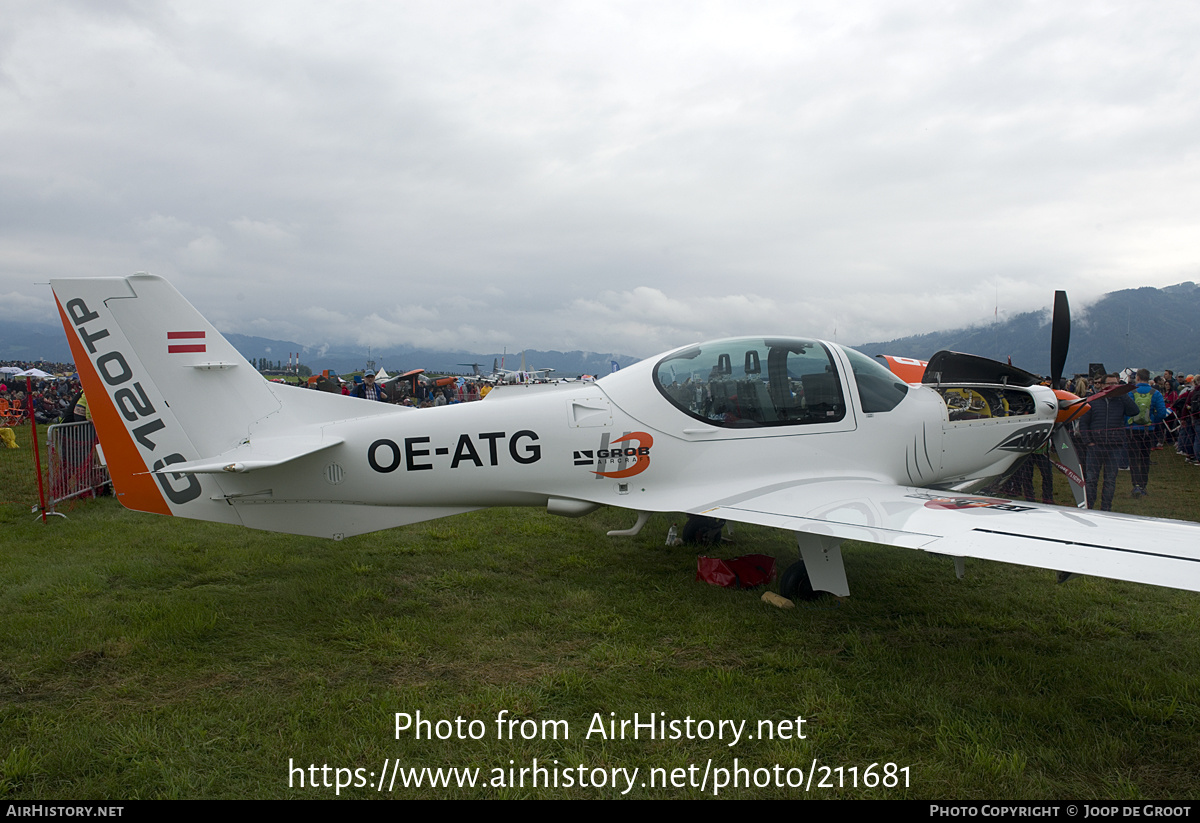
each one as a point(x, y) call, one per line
point(1143, 425)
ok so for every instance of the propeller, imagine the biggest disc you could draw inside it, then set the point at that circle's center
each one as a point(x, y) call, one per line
point(1107, 391)
point(1069, 406)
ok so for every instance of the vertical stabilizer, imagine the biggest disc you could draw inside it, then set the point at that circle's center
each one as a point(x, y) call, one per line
point(163, 386)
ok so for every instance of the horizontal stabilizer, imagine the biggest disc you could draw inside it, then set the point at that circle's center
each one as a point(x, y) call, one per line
point(259, 453)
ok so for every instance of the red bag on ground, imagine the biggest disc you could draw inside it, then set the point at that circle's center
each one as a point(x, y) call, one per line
point(745, 572)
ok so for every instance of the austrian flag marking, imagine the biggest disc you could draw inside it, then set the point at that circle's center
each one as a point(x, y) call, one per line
point(180, 348)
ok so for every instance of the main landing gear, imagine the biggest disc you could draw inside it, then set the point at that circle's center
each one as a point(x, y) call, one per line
point(818, 570)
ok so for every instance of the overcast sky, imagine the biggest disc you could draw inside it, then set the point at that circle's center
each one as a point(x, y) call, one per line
point(608, 176)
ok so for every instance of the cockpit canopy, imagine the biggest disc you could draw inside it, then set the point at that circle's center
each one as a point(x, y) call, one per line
point(752, 381)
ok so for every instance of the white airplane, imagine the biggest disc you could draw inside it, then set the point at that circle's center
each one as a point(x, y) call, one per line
point(803, 435)
point(500, 375)
point(521, 375)
point(478, 376)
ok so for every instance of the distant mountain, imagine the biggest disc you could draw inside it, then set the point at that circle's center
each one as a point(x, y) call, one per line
point(33, 341)
point(1146, 327)
point(344, 359)
point(42, 341)
point(1135, 328)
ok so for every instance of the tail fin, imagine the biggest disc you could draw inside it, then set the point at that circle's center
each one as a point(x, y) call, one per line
point(190, 428)
point(154, 371)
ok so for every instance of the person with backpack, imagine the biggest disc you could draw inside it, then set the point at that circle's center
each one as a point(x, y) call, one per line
point(1143, 436)
point(1102, 431)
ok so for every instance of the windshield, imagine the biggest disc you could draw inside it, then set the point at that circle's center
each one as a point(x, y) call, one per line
point(751, 382)
point(878, 389)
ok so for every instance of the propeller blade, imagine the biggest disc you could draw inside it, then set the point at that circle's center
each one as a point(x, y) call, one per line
point(1068, 463)
point(1111, 391)
point(1060, 338)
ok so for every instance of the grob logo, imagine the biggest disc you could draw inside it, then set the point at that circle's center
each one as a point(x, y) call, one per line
point(615, 460)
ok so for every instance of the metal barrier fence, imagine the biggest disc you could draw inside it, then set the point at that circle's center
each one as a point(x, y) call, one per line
point(75, 467)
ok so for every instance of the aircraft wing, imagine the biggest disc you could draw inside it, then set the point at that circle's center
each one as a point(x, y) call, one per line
point(1103, 544)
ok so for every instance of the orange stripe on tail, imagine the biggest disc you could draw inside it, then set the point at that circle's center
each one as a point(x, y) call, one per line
point(136, 488)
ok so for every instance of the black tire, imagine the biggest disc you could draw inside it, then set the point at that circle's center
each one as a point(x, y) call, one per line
point(795, 585)
point(702, 531)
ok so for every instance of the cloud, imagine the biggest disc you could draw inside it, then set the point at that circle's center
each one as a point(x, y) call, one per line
point(202, 253)
point(624, 177)
point(26, 308)
point(166, 226)
point(267, 231)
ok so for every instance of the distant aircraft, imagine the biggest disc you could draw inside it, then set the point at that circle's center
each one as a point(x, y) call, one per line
point(795, 433)
point(522, 375)
point(478, 376)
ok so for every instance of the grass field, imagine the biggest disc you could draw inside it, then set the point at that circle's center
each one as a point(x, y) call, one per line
point(148, 657)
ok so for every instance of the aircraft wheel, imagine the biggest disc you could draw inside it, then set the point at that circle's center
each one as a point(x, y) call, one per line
point(795, 585)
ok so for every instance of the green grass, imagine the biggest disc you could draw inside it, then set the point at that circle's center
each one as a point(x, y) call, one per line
point(150, 657)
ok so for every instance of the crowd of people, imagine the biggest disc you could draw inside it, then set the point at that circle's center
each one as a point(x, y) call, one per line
point(58, 397)
point(1119, 431)
point(418, 393)
point(53, 397)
